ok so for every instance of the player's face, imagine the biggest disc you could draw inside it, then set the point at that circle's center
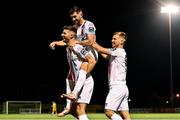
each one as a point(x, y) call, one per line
point(76, 17)
point(66, 35)
point(116, 41)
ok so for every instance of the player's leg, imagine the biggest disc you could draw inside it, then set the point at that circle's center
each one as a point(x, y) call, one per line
point(125, 115)
point(91, 63)
point(81, 111)
point(69, 85)
point(79, 82)
point(85, 69)
point(87, 66)
point(81, 78)
point(84, 98)
point(112, 115)
point(73, 110)
point(124, 107)
point(114, 101)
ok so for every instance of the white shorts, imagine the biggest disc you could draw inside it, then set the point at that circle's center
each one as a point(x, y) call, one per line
point(117, 98)
point(86, 92)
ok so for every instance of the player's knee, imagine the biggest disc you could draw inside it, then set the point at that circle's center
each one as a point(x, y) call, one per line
point(92, 61)
point(80, 109)
point(84, 66)
point(108, 113)
point(125, 115)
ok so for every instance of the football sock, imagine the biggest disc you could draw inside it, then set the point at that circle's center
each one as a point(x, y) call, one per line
point(116, 117)
point(80, 82)
point(83, 117)
point(68, 90)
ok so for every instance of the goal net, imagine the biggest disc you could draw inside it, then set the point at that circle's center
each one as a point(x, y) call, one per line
point(22, 107)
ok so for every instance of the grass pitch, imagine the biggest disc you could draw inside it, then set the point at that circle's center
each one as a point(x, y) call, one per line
point(91, 116)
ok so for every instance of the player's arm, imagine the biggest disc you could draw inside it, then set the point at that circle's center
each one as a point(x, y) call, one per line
point(89, 30)
point(88, 41)
point(105, 56)
point(60, 43)
point(84, 54)
point(53, 44)
point(103, 51)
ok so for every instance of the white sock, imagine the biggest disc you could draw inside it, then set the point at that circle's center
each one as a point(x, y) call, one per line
point(83, 117)
point(68, 103)
point(80, 82)
point(116, 117)
point(68, 90)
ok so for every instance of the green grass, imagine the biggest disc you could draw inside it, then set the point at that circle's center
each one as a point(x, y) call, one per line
point(92, 116)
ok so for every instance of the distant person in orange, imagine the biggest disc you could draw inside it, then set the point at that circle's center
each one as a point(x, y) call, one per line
point(54, 108)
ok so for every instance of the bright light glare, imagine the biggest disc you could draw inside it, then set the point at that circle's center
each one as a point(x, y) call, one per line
point(170, 9)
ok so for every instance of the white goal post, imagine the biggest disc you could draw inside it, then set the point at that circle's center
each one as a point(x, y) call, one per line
point(23, 107)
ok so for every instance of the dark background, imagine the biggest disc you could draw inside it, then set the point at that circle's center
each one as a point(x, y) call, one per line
point(32, 71)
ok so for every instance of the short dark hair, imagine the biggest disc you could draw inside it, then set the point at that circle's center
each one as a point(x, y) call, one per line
point(71, 28)
point(75, 9)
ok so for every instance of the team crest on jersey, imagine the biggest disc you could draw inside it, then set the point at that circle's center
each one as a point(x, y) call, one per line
point(91, 29)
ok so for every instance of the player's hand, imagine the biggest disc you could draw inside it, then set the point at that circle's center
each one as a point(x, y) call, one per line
point(52, 45)
point(70, 96)
point(94, 44)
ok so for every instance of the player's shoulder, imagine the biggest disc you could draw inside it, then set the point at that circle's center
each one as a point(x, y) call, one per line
point(89, 23)
point(112, 49)
point(78, 47)
point(117, 50)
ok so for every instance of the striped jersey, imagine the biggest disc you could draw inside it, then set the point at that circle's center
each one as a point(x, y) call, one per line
point(82, 31)
point(75, 57)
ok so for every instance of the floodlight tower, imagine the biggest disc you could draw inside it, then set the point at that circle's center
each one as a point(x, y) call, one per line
point(170, 9)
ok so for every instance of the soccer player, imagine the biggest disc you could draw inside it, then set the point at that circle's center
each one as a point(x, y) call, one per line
point(86, 36)
point(117, 98)
point(85, 33)
point(76, 56)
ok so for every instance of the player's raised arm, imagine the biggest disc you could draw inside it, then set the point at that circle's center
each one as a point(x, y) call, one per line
point(89, 40)
point(53, 44)
point(103, 51)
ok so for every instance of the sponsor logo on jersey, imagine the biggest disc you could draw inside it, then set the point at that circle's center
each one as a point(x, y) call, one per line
point(91, 29)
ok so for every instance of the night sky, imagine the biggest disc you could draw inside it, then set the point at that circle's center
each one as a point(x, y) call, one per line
point(32, 71)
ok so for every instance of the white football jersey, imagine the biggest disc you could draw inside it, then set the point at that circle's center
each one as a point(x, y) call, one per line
point(82, 31)
point(117, 66)
point(86, 28)
point(75, 58)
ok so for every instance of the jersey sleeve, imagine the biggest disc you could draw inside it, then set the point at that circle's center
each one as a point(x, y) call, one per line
point(114, 52)
point(81, 51)
point(89, 28)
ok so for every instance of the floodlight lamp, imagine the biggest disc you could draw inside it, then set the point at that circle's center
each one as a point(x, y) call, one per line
point(170, 9)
